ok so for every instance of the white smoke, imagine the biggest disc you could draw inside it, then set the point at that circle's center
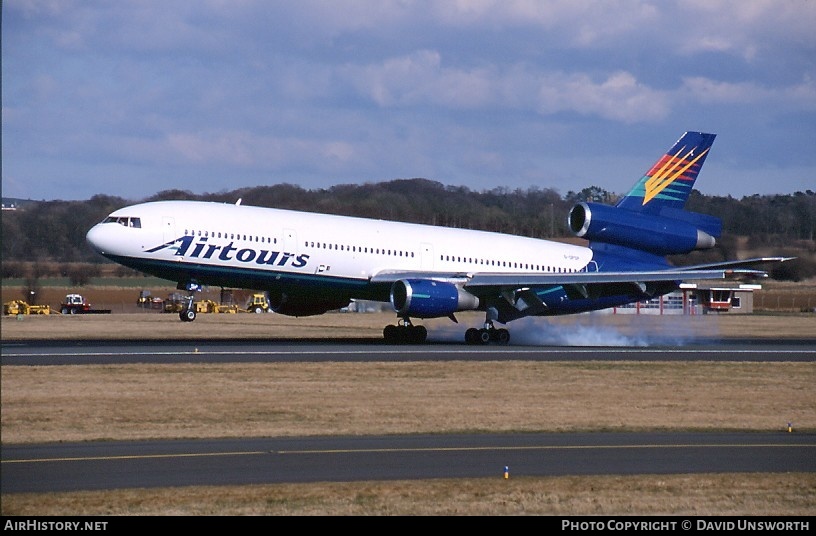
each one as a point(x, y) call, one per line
point(596, 329)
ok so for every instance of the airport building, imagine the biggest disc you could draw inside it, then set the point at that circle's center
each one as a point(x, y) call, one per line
point(695, 299)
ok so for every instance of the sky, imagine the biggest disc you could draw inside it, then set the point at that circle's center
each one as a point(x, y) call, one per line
point(133, 98)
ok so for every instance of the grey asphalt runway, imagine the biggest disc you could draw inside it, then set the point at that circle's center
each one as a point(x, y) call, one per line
point(111, 465)
point(242, 351)
point(145, 464)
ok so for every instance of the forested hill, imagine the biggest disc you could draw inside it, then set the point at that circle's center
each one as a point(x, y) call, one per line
point(54, 231)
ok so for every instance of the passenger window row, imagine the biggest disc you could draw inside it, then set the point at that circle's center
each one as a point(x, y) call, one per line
point(504, 264)
point(359, 249)
point(233, 236)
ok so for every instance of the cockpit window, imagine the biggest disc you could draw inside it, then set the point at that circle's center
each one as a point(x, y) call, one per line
point(124, 220)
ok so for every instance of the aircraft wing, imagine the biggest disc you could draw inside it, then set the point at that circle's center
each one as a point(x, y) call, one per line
point(736, 264)
point(482, 280)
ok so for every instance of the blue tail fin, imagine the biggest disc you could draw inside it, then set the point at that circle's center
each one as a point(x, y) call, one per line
point(668, 183)
point(650, 221)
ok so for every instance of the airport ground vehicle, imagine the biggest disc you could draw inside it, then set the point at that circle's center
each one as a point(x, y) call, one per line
point(258, 303)
point(175, 303)
point(144, 298)
point(210, 306)
point(147, 301)
point(187, 308)
point(74, 304)
point(19, 307)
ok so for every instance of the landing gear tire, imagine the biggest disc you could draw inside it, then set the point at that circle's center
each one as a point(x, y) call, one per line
point(188, 315)
point(487, 335)
point(405, 334)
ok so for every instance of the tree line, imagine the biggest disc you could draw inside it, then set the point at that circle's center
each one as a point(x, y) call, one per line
point(53, 232)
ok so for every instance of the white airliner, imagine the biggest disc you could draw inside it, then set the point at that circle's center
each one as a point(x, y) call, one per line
point(312, 263)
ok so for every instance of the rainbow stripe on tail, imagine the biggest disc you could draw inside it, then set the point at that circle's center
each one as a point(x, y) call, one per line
point(669, 181)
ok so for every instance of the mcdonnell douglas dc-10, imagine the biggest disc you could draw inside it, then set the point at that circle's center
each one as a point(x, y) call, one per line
point(311, 263)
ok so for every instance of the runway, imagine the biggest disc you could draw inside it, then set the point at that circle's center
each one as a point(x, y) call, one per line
point(168, 463)
point(260, 351)
point(145, 464)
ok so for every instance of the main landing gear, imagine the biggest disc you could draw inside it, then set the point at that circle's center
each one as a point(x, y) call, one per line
point(405, 333)
point(487, 334)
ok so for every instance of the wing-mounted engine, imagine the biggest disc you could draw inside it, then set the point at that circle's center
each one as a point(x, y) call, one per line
point(671, 232)
point(427, 298)
point(295, 305)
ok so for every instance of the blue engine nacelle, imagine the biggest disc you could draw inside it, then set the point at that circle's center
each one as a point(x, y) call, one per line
point(646, 232)
point(426, 298)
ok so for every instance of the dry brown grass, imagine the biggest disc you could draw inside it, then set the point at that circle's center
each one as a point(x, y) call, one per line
point(275, 399)
point(773, 495)
point(94, 402)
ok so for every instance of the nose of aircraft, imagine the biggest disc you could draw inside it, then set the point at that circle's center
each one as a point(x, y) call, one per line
point(99, 237)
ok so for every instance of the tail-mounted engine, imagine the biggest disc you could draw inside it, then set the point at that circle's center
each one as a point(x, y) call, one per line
point(680, 232)
point(425, 298)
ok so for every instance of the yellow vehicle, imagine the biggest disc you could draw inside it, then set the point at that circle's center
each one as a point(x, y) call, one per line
point(204, 306)
point(19, 307)
point(258, 303)
point(147, 301)
point(210, 306)
point(175, 303)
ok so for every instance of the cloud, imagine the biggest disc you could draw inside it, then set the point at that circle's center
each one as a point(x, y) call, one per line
point(477, 92)
point(747, 29)
point(704, 90)
point(618, 97)
point(421, 80)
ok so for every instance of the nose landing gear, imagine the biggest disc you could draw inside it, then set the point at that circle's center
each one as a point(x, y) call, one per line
point(188, 312)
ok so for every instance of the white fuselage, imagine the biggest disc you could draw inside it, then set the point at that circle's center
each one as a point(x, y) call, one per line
point(286, 241)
